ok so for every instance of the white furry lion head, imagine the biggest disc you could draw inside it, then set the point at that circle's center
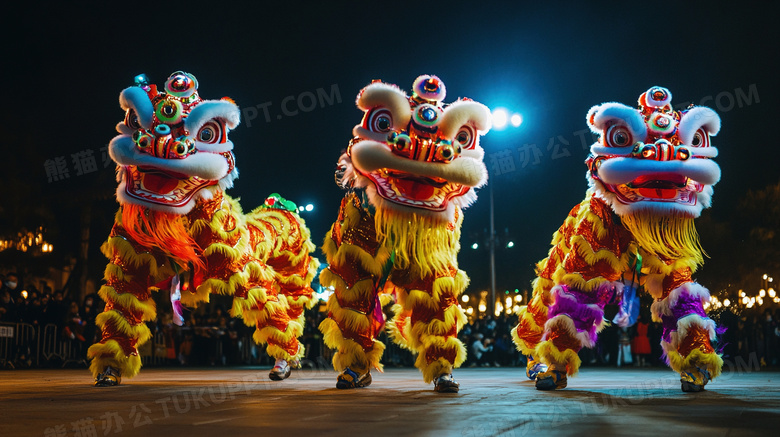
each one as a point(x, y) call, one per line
point(415, 153)
point(173, 147)
point(653, 158)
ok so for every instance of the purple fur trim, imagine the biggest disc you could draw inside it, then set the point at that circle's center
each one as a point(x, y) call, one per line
point(670, 325)
point(609, 292)
point(586, 310)
point(686, 304)
point(692, 290)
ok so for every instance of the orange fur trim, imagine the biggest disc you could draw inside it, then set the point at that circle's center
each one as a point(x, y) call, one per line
point(163, 231)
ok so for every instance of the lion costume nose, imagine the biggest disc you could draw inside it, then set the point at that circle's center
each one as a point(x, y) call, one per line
point(161, 143)
point(421, 148)
point(661, 150)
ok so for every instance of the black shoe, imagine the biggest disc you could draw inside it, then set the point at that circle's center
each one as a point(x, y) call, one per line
point(350, 379)
point(110, 377)
point(445, 383)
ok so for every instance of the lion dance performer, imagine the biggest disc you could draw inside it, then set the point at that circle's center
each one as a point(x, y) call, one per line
point(650, 174)
point(176, 228)
point(410, 169)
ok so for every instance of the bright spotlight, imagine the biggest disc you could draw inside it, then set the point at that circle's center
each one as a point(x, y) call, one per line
point(510, 245)
point(475, 246)
point(309, 207)
point(465, 298)
point(771, 292)
point(300, 208)
point(726, 302)
point(516, 120)
point(500, 117)
point(761, 292)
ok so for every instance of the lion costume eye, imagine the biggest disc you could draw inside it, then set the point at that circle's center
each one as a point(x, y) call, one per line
point(465, 138)
point(700, 139)
point(170, 112)
point(618, 136)
point(211, 132)
point(445, 153)
point(131, 120)
point(380, 120)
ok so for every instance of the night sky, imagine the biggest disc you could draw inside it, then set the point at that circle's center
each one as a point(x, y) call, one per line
point(63, 69)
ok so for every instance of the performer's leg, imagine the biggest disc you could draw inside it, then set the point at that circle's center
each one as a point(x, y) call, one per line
point(575, 318)
point(350, 327)
point(236, 249)
point(530, 328)
point(688, 335)
point(264, 307)
point(129, 304)
point(429, 323)
point(294, 268)
point(354, 312)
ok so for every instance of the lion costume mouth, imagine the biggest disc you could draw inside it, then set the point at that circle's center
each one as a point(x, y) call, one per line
point(415, 191)
point(659, 188)
point(160, 187)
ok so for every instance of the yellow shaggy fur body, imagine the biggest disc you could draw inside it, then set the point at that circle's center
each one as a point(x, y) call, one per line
point(595, 250)
point(262, 259)
point(391, 255)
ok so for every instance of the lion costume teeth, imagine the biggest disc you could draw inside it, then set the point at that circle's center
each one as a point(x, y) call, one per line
point(650, 173)
point(177, 229)
point(411, 168)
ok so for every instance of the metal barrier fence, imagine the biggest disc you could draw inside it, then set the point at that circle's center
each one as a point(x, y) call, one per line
point(23, 345)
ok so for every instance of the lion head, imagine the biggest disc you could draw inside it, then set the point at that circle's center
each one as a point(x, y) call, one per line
point(653, 158)
point(173, 147)
point(415, 153)
point(654, 166)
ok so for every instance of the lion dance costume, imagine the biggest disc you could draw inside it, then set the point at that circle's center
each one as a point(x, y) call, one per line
point(650, 173)
point(410, 169)
point(177, 228)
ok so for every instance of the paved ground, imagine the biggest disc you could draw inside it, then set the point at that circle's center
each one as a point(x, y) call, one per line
point(242, 402)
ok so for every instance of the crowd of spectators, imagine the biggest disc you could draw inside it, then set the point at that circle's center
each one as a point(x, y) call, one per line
point(210, 337)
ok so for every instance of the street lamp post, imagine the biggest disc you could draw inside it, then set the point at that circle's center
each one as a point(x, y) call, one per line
point(492, 243)
point(500, 118)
